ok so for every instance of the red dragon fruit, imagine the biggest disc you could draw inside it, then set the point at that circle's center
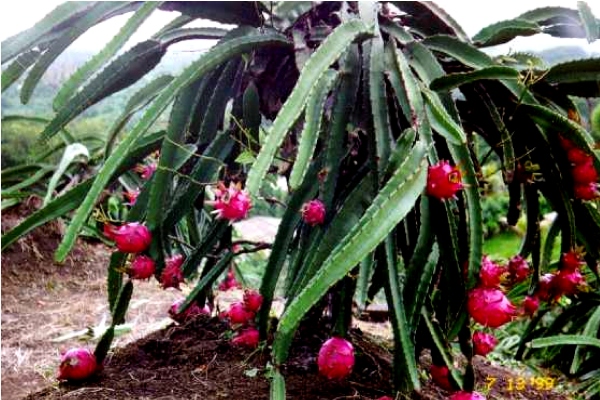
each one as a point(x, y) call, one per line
point(77, 364)
point(336, 358)
point(441, 376)
point(490, 307)
point(571, 261)
point(172, 275)
point(483, 343)
point(146, 170)
point(467, 396)
point(530, 305)
point(577, 156)
point(132, 237)
point(252, 300)
point(585, 173)
point(247, 338)
point(231, 203)
point(142, 267)
point(238, 314)
point(229, 282)
point(491, 273)
point(313, 212)
point(587, 191)
point(518, 268)
point(443, 180)
point(131, 196)
point(546, 290)
point(193, 310)
point(568, 282)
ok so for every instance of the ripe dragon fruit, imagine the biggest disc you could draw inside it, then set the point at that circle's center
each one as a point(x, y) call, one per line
point(142, 267)
point(193, 310)
point(231, 203)
point(132, 237)
point(252, 300)
point(589, 191)
point(229, 282)
point(440, 374)
point(490, 274)
point(77, 364)
point(443, 180)
point(336, 358)
point(518, 269)
point(131, 196)
point(172, 275)
point(247, 338)
point(585, 173)
point(146, 170)
point(568, 282)
point(490, 307)
point(313, 212)
point(530, 305)
point(546, 290)
point(238, 314)
point(483, 343)
point(571, 261)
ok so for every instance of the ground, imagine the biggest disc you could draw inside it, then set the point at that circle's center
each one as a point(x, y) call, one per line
point(157, 359)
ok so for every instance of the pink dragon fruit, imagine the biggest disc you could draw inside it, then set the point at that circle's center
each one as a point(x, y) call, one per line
point(440, 374)
point(142, 267)
point(238, 314)
point(490, 307)
point(490, 274)
point(193, 310)
point(172, 275)
point(313, 212)
point(77, 364)
point(247, 338)
point(530, 305)
point(252, 300)
point(519, 269)
point(132, 237)
point(443, 180)
point(231, 203)
point(483, 343)
point(336, 358)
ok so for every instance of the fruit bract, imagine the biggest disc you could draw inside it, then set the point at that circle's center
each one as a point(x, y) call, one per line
point(77, 364)
point(440, 376)
point(231, 203)
point(142, 267)
point(568, 282)
point(313, 212)
point(132, 237)
point(131, 196)
point(172, 275)
point(146, 170)
point(252, 300)
point(247, 338)
point(490, 307)
point(467, 396)
point(443, 180)
point(336, 358)
point(483, 343)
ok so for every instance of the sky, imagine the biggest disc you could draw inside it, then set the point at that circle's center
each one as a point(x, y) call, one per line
point(16, 16)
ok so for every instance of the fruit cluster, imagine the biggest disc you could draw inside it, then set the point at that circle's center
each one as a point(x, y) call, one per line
point(584, 173)
point(241, 316)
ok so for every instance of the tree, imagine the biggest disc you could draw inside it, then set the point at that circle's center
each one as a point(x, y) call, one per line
point(362, 106)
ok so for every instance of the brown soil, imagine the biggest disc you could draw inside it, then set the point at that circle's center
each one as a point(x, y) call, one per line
point(42, 300)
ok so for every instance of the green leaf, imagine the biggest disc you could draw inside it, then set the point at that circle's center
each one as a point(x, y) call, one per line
point(208, 61)
point(70, 154)
point(125, 70)
point(431, 17)
point(590, 23)
point(455, 80)
point(191, 263)
point(70, 87)
point(172, 36)
point(312, 126)
point(176, 23)
point(551, 15)
point(245, 157)
point(441, 120)
point(234, 12)
point(277, 386)
point(114, 279)
point(505, 31)
point(286, 12)
point(66, 136)
point(390, 206)
point(122, 303)
point(91, 18)
point(461, 51)
point(565, 340)
point(586, 70)
point(139, 100)
point(329, 51)
point(591, 330)
point(62, 16)
point(14, 71)
point(32, 180)
point(103, 345)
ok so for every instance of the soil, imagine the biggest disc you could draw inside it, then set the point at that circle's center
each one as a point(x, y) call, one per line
point(42, 300)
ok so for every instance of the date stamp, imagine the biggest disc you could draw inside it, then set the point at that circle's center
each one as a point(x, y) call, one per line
point(522, 383)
